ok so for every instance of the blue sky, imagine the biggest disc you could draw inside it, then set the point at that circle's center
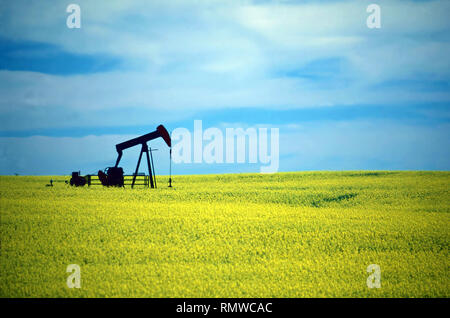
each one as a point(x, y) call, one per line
point(344, 97)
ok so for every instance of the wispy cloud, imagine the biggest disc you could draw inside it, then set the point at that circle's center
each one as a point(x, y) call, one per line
point(138, 62)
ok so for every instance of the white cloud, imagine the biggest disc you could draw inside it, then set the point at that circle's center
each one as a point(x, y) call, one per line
point(350, 145)
point(198, 55)
point(106, 91)
point(62, 155)
point(354, 145)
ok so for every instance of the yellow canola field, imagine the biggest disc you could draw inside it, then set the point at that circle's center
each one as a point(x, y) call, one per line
point(303, 234)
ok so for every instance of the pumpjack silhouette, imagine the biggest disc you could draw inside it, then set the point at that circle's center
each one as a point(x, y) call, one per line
point(113, 176)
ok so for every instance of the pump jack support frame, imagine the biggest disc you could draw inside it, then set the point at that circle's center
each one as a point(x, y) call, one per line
point(151, 175)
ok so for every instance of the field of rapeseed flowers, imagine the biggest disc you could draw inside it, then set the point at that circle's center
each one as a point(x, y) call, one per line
point(306, 234)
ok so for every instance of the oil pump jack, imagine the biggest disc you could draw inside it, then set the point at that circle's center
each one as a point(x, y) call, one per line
point(114, 175)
